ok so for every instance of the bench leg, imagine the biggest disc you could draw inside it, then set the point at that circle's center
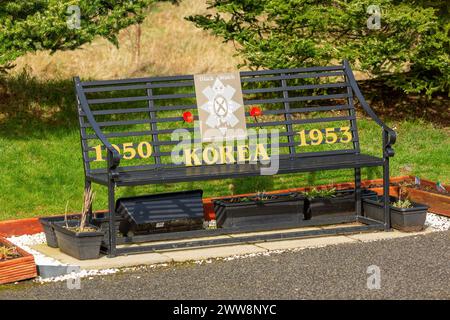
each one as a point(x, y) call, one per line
point(387, 215)
point(112, 220)
point(358, 203)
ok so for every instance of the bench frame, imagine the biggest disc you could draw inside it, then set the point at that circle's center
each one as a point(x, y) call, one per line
point(113, 161)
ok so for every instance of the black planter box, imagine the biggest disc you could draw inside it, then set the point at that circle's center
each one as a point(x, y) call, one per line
point(405, 219)
point(167, 212)
point(80, 245)
point(342, 203)
point(278, 210)
point(47, 225)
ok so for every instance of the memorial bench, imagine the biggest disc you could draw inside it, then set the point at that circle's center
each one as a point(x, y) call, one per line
point(126, 131)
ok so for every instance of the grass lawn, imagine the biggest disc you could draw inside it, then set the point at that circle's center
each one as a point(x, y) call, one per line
point(42, 165)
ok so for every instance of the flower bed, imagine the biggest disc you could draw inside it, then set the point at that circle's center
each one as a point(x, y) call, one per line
point(16, 265)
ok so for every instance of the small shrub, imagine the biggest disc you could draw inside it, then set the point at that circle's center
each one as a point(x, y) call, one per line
point(7, 253)
point(403, 204)
point(322, 193)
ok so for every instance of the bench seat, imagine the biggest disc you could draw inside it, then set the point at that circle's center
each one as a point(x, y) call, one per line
point(181, 174)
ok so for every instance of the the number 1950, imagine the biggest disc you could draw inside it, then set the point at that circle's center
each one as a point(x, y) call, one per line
point(144, 150)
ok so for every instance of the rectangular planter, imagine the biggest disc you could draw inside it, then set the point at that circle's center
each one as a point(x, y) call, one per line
point(47, 226)
point(157, 213)
point(281, 209)
point(405, 219)
point(342, 203)
point(17, 269)
point(80, 245)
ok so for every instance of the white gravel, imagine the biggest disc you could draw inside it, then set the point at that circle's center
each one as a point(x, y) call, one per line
point(437, 222)
point(77, 275)
point(26, 241)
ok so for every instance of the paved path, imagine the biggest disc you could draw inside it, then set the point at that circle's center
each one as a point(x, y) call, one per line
point(411, 267)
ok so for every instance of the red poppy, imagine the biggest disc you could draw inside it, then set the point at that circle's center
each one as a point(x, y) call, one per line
point(255, 111)
point(188, 117)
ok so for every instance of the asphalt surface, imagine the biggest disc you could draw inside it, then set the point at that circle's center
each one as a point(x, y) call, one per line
point(416, 267)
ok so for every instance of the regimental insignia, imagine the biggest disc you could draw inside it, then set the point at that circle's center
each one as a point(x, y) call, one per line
point(220, 106)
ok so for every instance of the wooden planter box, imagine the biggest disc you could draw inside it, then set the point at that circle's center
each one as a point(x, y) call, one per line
point(438, 203)
point(17, 269)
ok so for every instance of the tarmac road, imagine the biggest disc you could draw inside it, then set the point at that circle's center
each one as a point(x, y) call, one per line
point(416, 267)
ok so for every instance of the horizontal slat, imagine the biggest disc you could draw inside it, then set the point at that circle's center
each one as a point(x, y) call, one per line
point(191, 77)
point(297, 99)
point(142, 98)
point(307, 109)
point(318, 153)
point(141, 86)
point(249, 125)
point(300, 121)
point(140, 110)
point(136, 80)
point(187, 107)
point(294, 88)
point(191, 84)
point(136, 133)
point(294, 70)
point(294, 76)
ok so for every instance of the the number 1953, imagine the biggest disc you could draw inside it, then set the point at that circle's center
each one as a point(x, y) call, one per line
point(330, 136)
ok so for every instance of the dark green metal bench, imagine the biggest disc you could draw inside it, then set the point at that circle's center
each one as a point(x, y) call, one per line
point(130, 114)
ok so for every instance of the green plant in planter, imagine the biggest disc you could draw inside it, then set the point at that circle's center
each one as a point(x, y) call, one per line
point(322, 193)
point(402, 204)
point(7, 253)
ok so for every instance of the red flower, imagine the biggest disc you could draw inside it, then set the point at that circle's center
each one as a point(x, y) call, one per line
point(187, 116)
point(255, 111)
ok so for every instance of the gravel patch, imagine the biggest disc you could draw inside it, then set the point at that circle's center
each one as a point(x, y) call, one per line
point(437, 222)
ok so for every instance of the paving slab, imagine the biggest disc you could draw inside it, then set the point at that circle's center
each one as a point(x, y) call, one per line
point(346, 225)
point(103, 262)
point(305, 243)
point(248, 234)
point(212, 252)
point(143, 244)
point(384, 235)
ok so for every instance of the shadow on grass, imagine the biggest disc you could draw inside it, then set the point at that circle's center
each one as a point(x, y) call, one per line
point(390, 104)
point(29, 107)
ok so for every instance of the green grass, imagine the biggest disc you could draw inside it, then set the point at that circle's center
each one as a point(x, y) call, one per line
point(41, 165)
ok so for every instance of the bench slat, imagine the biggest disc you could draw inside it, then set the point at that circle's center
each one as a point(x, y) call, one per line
point(191, 77)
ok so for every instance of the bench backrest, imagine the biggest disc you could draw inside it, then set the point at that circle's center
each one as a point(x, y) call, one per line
point(312, 108)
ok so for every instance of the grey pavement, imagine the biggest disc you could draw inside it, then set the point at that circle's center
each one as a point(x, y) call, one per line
point(415, 267)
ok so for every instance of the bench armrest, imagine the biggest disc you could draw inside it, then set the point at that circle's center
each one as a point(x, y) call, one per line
point(389, 135)
point(113, 154)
